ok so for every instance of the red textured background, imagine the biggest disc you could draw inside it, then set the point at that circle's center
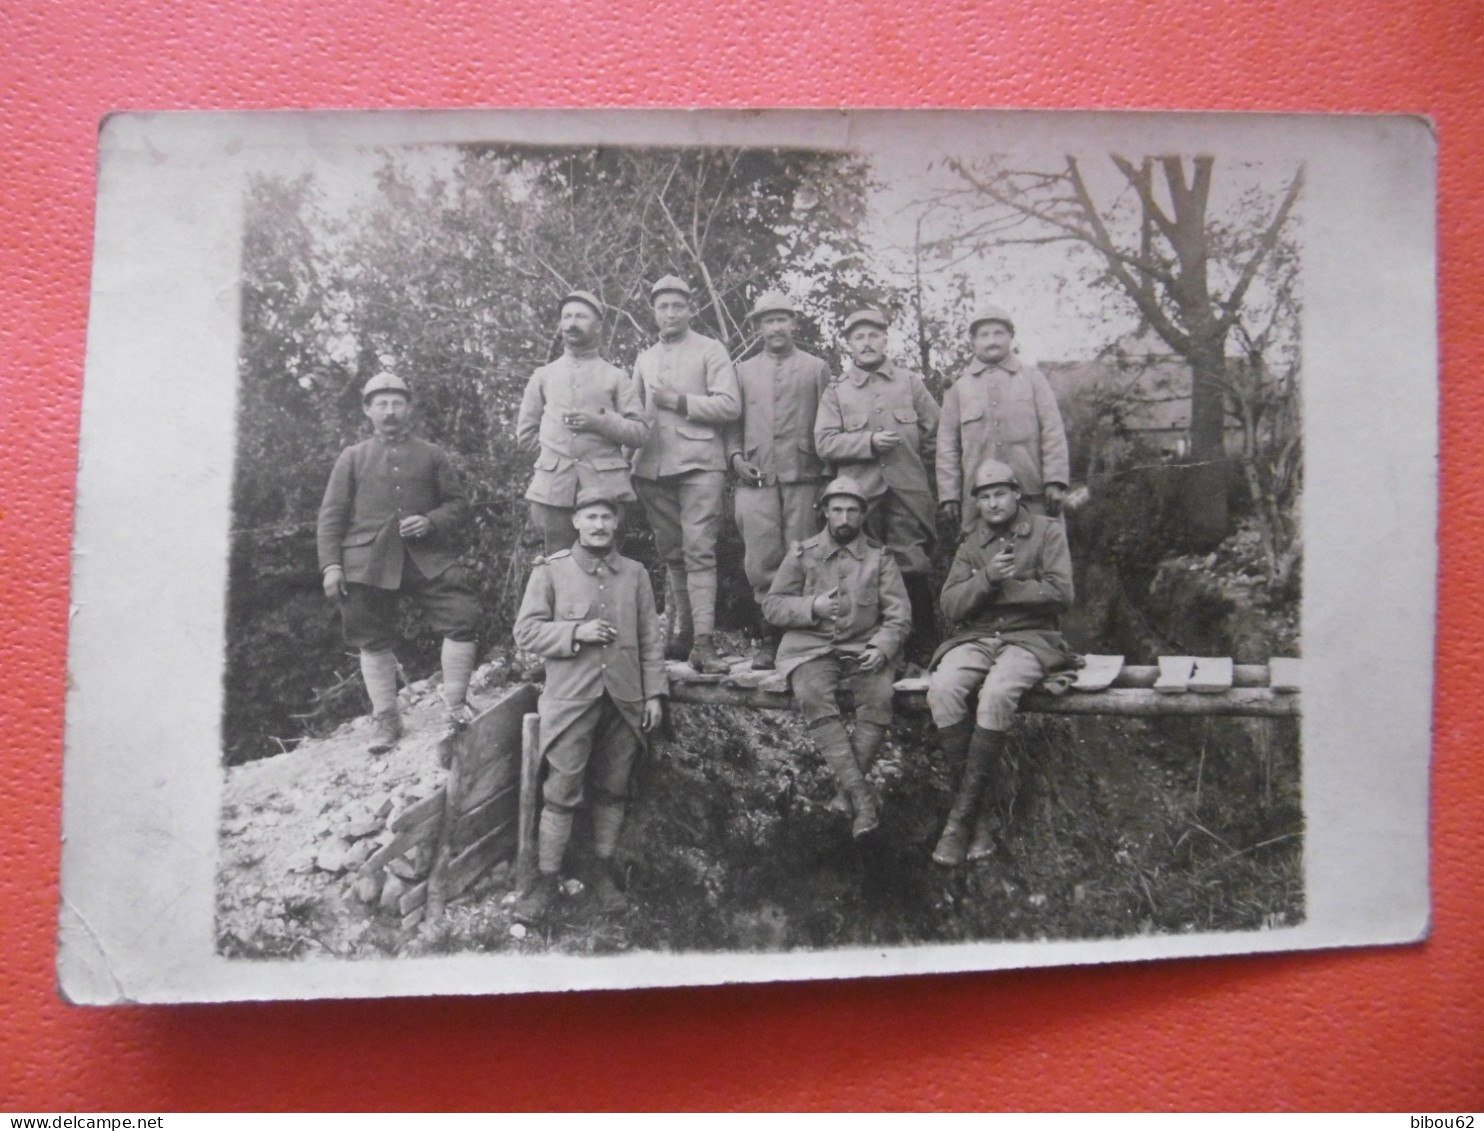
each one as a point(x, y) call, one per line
point(1400, 1028)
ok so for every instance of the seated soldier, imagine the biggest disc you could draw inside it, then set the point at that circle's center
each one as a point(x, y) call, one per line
point(1010, 582)
point(841, 599)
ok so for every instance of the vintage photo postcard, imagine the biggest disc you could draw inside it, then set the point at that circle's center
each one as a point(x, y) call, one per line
point(533, 551)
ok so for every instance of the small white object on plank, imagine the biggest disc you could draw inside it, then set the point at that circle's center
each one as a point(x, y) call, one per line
point(1174, 674)
point(1097, 673)
point(1286, 674)
point(1212, 675)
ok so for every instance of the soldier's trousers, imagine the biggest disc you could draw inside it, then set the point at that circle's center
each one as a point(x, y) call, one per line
point(897, 520)
point(815, 682)
point(1000, 672)
point(685, 513)
point(368, 614)
point(771, 519)
point(596, 749)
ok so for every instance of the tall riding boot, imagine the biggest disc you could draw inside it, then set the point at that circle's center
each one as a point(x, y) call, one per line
point(834, 743)
point(678, 631)
point(983, 749)
point(924, 637)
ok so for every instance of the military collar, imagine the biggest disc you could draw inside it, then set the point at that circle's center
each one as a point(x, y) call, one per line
point(1011, 364)
point(579, 355)
point(679, 341)
point(402, 439)
point(780, 358)
point(856, 548)
point(589, 562)
point(1020, 526)
point(858, 376)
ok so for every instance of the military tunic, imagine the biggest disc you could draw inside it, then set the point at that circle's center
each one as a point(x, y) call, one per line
point(565, 590)
point(1005, 412)
point(1007, 636)
point(896, 484)
point(568, 460)
point(780, 400)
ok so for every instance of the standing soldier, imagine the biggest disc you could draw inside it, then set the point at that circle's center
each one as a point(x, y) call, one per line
point(771, 450)
point(689, 390)
point(1000, 408)
point(1010, 582)
point(580, 413)
point(878, 424)
point(589, 613)
point(841, 599)
point(386, 528)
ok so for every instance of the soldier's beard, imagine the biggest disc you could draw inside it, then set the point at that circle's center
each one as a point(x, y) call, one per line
point(844, 534)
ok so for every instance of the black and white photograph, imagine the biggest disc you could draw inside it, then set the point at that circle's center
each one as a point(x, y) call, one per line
point(616, 549)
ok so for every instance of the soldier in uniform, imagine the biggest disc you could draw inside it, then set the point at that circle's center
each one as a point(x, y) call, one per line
point(1000, 408)
point(1009, 584)
point(589, 613)
point(839, 596)
point(387, 527)
point(771, 451)
point(579, 413)
point(688, 387)
point(878, 424)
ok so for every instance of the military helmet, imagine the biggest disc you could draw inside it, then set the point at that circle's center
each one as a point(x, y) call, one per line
point(385, 382)
point(991, 314)
point(772, 302)
point(870, 314)
point(994, 473)
point(596, 496)
point(585, 297)
point(669, 283)
point(843, 485)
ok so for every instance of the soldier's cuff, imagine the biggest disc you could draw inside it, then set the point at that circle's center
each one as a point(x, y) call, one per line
point(332, 565)
point(681, 405)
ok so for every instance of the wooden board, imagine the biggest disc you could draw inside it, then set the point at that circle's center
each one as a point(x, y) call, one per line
point(1286, 674)
point(403, 841)
point(530, 799)
point(418, 812)
point(1212, 675)
point(496, 845)
point(490, 746)
point(1174, 674)
point(474, 823)
point(1097, 672)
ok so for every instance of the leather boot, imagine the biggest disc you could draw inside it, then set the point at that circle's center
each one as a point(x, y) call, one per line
point(387, 731)
point(607, 895)
point(765, 659)
point(953, 741)
point(867, 741)
point(535, 902)
point(981, 845)
point(705, 659)
point(834, 743)
point(984, 747)
point(679, 634)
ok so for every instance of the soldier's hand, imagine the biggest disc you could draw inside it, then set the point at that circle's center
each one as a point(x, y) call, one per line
point(1053, 498)
point(872, 660)
point(334, 581)
point(950, 511)
point(883, 442)
point(666, 397)
point(654, 713)
point(596, 632)
point(415, 526)
point(578, 421)
point(827, 605)
point(1001, 567)
point(748, 471)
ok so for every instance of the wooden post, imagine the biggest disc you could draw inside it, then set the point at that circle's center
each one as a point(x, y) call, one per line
point(530, 798)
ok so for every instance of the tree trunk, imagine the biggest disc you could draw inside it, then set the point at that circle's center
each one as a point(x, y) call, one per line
point(1205, 481)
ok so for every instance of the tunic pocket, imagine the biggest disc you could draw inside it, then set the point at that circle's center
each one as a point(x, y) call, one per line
point(905, 415)
point(855, 422)
point(574, 610)
point(695, 432)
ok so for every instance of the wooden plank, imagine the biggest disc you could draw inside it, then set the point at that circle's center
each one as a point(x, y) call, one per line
point(1174, 674)
point(530, 799)
point(476, 822)
point(402, 842)
point(491, 747)
point(1212, 675)
point(418, 812)
point(1286, 674)
point(413, 898)
point(465, 868)
point(1142, 702)
point(1097, 672)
